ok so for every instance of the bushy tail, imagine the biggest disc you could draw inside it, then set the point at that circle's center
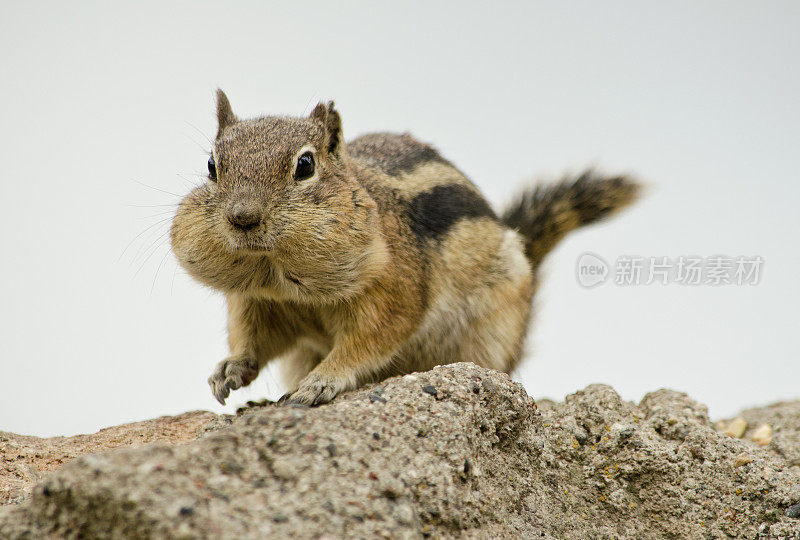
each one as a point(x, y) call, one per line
point(545, 214)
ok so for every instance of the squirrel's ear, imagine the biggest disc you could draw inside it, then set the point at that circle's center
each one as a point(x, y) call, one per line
point(329, 117)
point(225, 116)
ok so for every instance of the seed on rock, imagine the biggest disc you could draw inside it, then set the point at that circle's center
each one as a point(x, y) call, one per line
point(794, 511)
point(428, 389)
point(736, 428)
point(742, 459)
point(763, 434)
point(695, 451)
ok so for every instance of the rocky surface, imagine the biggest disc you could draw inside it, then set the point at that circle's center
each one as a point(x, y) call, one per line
point(24, 459)
point(779, 425)
point(455, 452)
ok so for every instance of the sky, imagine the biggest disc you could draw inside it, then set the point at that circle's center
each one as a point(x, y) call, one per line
point(108, 111)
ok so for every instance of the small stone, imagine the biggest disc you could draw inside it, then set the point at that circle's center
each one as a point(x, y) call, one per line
point(742, 459)
point(763, 434)
point(284, 470)
point(428, 389)
point(736, 428)
point(186, 510)
point(695, 451)
point(230, 467)
point(376, 398)
point(793, 511)
point(280, 518)
point(331, 448)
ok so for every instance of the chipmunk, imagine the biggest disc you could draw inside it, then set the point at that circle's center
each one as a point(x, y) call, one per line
point(353, 262)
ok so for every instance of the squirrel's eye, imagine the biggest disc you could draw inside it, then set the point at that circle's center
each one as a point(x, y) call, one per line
point(212, 168)
point(305, 166)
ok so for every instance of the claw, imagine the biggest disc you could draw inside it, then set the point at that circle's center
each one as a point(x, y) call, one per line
point(232, 374)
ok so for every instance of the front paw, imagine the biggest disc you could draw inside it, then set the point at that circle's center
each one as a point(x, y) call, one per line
point(232, 373)
point(317, 389)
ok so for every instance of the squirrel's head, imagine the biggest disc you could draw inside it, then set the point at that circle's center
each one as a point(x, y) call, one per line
point(278, 194)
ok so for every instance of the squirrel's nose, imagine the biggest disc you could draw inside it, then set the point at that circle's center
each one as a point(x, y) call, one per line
point(244, 216)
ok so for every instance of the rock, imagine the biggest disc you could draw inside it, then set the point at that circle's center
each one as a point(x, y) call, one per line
point(736, 428)
point(428, 389)
point(762, 435)
point(784, 419)
point(23, 459)
point(489, 464)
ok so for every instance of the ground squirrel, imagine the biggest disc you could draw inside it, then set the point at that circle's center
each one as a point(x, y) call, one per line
point(353, 262)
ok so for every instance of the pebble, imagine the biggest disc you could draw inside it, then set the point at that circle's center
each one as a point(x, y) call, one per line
point(736, 428)
point(742, 459)
point(284, 470)
point(430, 390)
point(763, 434)
point(793, 511)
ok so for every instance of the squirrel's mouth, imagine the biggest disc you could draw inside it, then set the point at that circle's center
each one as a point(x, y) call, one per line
point(256, 241)
point(248, 246)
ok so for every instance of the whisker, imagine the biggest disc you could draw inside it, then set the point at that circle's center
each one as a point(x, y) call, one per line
point(158, 269)
point(172, 285)
point(198, 130)
point(150, 242)
point(200, 146)
point(157, 189)
point(161, 240)
point(157, 214)
point(138, 235)
point(186, 182)
point(153, 205)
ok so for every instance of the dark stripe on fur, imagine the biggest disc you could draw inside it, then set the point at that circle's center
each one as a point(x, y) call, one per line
point(432, 213)
point(393, 154)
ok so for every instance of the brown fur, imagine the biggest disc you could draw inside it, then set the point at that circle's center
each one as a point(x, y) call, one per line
point(386, 261)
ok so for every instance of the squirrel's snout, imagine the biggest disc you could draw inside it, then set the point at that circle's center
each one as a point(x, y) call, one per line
point(244, 216)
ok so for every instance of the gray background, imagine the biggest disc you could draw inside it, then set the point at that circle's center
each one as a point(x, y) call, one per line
point(700, 100)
